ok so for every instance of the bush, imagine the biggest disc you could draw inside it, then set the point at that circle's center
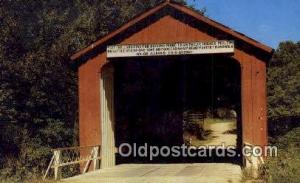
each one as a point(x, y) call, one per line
point(286, 166)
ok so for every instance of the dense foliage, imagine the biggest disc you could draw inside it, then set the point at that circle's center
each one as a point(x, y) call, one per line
point(38, 91)
point(284, 88)
point(284, 114)
point(284, 77)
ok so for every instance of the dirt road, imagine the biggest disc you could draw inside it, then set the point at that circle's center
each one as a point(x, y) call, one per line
point(220, 134)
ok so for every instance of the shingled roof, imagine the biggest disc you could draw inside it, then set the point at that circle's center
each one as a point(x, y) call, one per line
point(85, 53)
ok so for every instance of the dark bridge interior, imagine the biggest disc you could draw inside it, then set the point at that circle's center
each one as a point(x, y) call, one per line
point(152, 94)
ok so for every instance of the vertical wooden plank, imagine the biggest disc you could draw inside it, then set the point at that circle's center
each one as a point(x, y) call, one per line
point(57, 159)
point(107, 118)
point(259, 103)
point(247, 102)
point(263, 95)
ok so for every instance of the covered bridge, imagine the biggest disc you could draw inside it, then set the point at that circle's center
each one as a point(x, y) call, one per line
point(178, 38)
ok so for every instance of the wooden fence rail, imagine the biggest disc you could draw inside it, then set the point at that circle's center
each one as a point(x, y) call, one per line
point(74, 155)
point(194, 118)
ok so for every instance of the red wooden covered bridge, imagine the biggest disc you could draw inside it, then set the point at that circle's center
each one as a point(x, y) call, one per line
point(168, 33)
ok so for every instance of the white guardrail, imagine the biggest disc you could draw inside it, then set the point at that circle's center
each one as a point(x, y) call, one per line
point(83, 156)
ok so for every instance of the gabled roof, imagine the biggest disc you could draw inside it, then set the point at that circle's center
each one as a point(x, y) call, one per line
point(177, 7)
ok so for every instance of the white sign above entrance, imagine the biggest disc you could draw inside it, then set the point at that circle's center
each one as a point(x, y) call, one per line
point(192, 48)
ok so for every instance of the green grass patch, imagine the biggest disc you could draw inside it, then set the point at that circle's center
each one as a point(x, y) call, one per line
point(285, 168)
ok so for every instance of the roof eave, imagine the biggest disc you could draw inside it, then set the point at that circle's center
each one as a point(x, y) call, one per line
point(183, 9)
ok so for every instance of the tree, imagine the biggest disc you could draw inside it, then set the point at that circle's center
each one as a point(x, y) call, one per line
point(284, 86)
point(38, 91)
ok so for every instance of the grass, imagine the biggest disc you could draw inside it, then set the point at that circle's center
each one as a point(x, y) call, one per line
point(285, 168)
point(13, 170)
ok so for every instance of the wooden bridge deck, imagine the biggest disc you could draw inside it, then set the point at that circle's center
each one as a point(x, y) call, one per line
point(163, 173)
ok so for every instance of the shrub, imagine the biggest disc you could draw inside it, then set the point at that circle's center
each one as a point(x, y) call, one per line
point(286, 166)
